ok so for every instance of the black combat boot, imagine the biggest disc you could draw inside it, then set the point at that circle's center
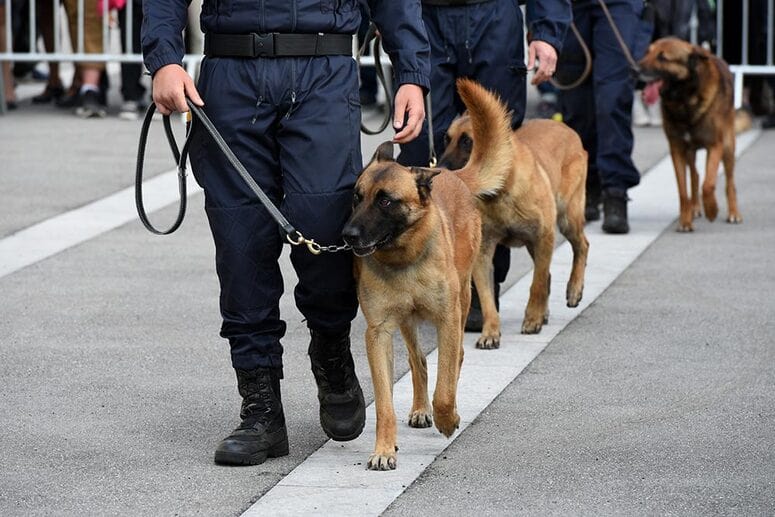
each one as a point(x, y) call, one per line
point(475, 319)
point(615, 212)
point(262, 432)
point(592, 207)
point(342, 409)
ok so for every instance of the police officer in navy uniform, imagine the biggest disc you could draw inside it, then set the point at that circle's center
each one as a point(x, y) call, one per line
point(600, 108)
point(484, 40)
point(280, 84)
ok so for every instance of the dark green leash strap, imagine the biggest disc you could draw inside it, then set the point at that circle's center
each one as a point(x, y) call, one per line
point(291, 234)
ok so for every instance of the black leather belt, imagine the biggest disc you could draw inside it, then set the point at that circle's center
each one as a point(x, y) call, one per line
point(277, 45)
point(448, 3)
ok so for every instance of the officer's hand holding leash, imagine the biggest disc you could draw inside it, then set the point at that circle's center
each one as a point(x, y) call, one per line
point(546, 56)
point(409, 104)
point(171, 86)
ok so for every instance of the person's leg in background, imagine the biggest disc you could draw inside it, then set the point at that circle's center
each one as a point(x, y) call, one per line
point(54, 88)
point(578, 104)
point(90, 74)
point(9, 95)
point(132, 89)
point(614, 86)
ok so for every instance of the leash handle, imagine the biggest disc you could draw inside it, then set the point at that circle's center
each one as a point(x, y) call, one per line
point(180, 160)
point(371, 34)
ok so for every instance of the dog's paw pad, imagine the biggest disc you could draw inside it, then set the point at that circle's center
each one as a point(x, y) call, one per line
point(420, 419)
point(381, 462)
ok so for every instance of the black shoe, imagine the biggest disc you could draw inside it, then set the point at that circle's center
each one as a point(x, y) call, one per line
point(615, 212)
point(262, 432)
point(342, 409)
point(475, 319)
point(592, 207)
point(71, 99)
point(51, 93)
point(90, 105)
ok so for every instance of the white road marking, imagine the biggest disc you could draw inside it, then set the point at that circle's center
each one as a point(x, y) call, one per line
point(334, 479)
point(69, 229)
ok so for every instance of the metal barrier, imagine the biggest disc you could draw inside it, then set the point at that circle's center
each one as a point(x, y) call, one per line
point(744, 67)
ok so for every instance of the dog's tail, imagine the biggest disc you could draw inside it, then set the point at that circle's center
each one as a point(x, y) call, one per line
point(491, 157)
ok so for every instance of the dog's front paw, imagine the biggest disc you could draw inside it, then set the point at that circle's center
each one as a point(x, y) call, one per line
point(447, 421)
point(382, 460)
point(420, 418)
point(572, 298)
point(488, 342)
point(533, 325)
point(696, 212)
point(684, 227)
point(735, 218)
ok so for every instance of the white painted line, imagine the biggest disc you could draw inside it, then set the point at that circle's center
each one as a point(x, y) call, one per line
point(334, 479)
point(69, 229)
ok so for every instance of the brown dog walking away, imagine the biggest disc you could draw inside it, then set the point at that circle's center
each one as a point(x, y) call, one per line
point(525, 182)
point(697, 113)
point(415, 249)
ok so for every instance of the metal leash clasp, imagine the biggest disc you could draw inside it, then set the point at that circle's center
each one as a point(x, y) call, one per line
point(312, 246)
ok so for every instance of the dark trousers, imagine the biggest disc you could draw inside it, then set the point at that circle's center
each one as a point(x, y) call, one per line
point(600, 109)
point(483, 41)
point(294, 124)
point(131, 87)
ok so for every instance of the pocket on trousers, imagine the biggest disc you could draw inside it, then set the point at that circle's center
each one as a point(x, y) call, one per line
point(354, 111)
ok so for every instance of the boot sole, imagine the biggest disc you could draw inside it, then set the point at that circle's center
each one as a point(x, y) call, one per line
point(236, 459)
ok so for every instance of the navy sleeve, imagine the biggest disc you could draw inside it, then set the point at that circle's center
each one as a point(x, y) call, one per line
point(162, 32)
point(405, 40)
point(548, 20)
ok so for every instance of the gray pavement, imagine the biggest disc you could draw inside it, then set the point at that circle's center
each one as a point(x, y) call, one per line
point(658, 399)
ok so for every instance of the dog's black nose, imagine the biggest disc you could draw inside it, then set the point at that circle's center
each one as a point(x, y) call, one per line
point(351, 233)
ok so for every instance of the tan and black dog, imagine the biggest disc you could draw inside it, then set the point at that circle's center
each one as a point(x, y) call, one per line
point(525, 181)
point(697, 113)
point(415, 248)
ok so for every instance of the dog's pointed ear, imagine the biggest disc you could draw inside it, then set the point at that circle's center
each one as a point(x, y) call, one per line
point(424, 177)
point(384, 153)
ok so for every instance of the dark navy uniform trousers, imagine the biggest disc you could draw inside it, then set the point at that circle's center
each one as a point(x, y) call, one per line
point(600, 109)
point(294, 124)
point(483, 41)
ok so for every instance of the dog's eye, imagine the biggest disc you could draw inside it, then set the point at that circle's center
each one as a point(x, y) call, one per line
point(384, 202)
point(661, 57)
point(356, 198)
point(466, 143)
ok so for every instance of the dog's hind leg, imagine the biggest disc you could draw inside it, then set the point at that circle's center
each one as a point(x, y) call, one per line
point(709, 184)
point(678, 154)
point(571, 221)
point(483, 280)
point(420, 415)
point(729, 171)
point(379, 348)
point(450, 337)
point(537, 310)
point(691, 158)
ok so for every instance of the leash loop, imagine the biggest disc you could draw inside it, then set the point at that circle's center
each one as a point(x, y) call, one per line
point(292, 234)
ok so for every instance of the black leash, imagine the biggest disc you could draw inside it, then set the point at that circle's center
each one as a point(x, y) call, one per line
point(372, 35)
point(291, 234)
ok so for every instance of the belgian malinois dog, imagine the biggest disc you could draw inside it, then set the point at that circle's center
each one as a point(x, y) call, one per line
point(697, 113)
point(416, 234)
point(525, 182)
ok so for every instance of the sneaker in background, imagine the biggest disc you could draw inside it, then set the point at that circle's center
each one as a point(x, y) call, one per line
point(130, 110)
point(90, 105)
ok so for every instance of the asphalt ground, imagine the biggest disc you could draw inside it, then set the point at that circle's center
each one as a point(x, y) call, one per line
point(657, 399)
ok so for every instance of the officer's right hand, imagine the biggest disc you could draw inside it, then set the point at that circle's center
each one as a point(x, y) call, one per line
point(171, 85)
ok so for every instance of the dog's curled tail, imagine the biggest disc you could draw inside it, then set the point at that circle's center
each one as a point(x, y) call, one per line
point(492, 154)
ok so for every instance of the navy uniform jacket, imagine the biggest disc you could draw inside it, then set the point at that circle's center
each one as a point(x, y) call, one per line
point(400, 22)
